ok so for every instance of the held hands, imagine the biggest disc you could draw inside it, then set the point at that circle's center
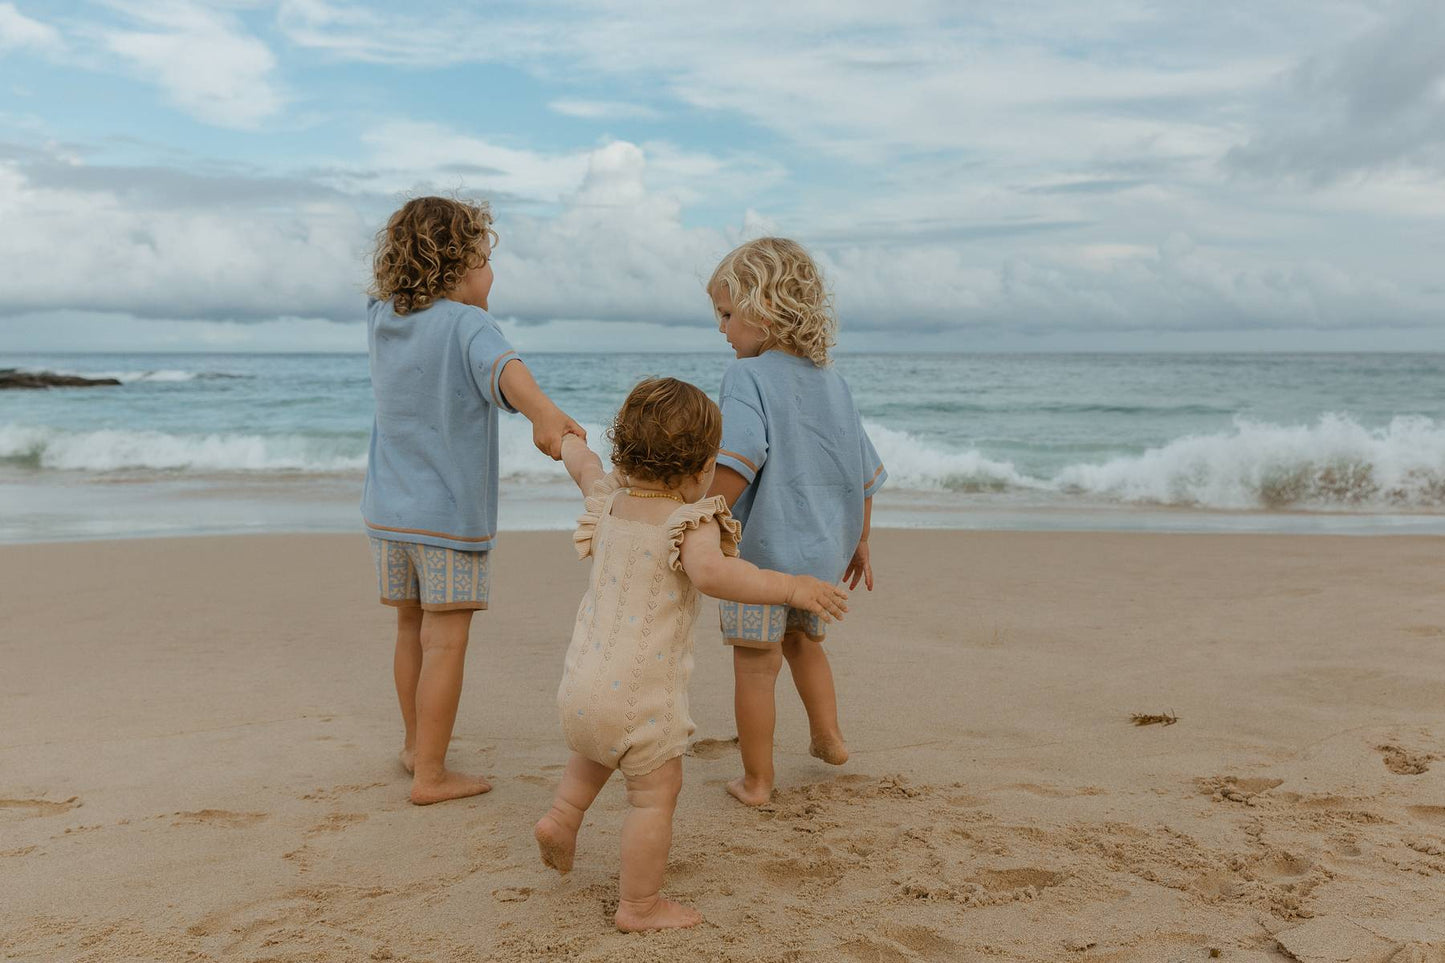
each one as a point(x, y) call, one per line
point(859, 567)
point(549, 430)
point(818, 597)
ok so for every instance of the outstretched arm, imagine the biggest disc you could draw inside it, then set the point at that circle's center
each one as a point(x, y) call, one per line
point(549, 423)
point(582, 463)
point(723, 577)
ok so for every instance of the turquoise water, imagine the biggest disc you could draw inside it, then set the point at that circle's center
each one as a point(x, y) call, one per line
point(234, 442)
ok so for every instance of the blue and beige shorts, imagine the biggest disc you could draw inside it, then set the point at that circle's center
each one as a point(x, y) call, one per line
point(437, 579)
point(762, 626)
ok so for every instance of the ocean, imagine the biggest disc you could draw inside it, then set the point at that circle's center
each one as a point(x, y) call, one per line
point(219, 443)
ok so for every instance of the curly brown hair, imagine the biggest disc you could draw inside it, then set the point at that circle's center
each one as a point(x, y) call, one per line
point(665, 431)
point(426, 249)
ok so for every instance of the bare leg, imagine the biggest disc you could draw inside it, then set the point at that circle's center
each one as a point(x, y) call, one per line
point(755, 676)
point(646, 838)
point(813, 677)
point(556, 832)
point(439, 688)
point(406, 666)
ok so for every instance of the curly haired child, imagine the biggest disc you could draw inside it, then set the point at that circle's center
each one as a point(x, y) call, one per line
point(799, 472)
point(655, 542)
point(441, 370)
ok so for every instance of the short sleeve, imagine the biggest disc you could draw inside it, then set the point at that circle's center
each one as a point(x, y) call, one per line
point(593, 508)
point(874, 472)
point(488, 353)
point(745, 429)
point(690, 517)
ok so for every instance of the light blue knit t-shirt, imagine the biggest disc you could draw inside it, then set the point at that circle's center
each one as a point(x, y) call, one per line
point(431, 475)
point(791, 429)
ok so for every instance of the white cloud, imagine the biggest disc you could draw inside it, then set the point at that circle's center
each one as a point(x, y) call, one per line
point(205, 61)
point(17, 31)
point(602, 110)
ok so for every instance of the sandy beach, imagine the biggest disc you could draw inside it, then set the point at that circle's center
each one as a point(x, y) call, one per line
point(198, 761)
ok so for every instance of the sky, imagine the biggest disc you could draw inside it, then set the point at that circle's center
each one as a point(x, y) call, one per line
point(1008, 176)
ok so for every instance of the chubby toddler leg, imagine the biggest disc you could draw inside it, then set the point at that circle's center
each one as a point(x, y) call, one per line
point(406, 667)
point(646, 839)
point(755, 676)
point(813, 677)
point(556, 832)
point(439, 687)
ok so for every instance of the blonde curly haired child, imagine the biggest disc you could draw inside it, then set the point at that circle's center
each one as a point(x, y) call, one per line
point(799, 472)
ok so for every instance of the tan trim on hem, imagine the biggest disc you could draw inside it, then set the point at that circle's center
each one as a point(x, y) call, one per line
point(751, 643)
point(402, 603)
point(732, 454)
point(422, 531)
point(453, 606)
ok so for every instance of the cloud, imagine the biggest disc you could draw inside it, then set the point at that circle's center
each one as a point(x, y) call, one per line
point(602, 110)
point(18, 32)
point(1375, 103)
point(205, 60)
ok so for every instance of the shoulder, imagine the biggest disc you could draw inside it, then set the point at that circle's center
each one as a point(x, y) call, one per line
point(744, 376)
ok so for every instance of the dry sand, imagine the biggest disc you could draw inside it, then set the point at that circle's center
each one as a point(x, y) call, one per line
point(198, 738)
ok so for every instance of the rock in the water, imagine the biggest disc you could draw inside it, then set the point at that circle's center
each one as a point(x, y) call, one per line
point(15, 378)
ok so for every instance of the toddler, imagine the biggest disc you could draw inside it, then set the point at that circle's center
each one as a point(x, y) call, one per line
point(655, 542)
point(440, 371)
point(799, 472)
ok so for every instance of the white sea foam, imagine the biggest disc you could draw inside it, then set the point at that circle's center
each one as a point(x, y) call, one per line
point(1335, 463)
point(119, 450)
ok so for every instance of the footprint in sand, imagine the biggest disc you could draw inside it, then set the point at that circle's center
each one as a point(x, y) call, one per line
point(222, 818)
point(712, 748)
point(511, 894)
point(1429, 814)
point(40, 807)
point(1402, 762)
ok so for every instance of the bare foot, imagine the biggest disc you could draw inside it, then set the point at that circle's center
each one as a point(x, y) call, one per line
point(449, 785)
point(663, 914)
point(557, 843)
point(830, 748)
point(408, 759)
point(750, 792)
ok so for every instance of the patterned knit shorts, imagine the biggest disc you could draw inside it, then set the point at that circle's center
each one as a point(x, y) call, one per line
point(437, 579)
point(762, 626)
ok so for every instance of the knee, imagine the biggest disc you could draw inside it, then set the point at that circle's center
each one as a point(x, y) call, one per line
point(658, 790)
point(758, 663)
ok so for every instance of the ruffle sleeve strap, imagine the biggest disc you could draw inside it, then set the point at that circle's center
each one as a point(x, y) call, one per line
point(689, 517)
point(593, 509)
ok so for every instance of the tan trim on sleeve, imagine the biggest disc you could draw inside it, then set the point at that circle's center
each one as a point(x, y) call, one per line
point(422, 531)
point(874, 478)
point(732, 454)
point(496, 373)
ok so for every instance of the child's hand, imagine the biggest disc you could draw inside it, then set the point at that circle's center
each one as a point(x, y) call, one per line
point(818, 597)
point(549, 429)
point(859, 567)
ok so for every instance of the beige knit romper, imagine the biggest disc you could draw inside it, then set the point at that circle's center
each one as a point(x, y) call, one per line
point(623, 697)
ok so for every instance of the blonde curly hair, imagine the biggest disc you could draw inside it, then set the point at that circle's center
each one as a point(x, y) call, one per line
point(776, 286)
point(665, 431)
point(426, 249)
